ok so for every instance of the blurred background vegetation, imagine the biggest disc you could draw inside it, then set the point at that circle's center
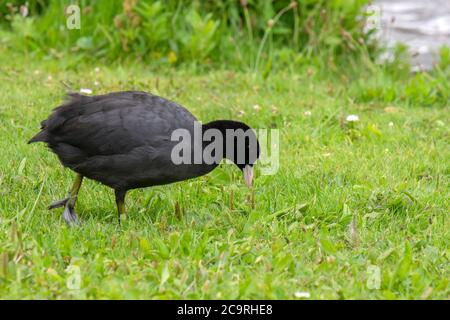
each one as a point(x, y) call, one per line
point(244, 34)
point(324, 37)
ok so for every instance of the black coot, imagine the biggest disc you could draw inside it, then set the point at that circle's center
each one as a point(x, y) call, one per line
point(125, 141)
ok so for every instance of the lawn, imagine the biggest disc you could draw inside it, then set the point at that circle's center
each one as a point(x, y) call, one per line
point(356, 210)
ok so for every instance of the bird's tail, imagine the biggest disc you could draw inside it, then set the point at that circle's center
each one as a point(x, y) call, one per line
point(42, 136)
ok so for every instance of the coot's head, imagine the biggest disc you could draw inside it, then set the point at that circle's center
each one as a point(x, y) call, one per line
point(240, 145)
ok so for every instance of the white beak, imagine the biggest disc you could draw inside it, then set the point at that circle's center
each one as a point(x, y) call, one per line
point(248, 175)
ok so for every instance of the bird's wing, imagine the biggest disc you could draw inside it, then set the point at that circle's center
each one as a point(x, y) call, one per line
point(116, 123)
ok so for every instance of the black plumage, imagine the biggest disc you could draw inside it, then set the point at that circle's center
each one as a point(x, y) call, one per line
point(123, 140)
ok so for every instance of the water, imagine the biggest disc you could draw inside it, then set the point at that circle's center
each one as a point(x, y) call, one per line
point(423, 25)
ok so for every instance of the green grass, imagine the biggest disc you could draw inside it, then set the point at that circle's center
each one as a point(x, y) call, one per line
point(344, 200)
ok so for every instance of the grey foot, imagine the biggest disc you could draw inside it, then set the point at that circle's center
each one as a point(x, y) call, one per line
point(70, 216)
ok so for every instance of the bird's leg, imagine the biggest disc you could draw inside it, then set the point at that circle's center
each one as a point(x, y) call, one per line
point(120, 202)
point(69, 212)
point(69, 203)
point(73, 191)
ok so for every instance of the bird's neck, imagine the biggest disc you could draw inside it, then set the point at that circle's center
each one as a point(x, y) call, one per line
point(212, 129)
point(221, 125)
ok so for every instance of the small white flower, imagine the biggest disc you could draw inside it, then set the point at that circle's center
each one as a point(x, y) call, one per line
point(85, 90)
point(300, 294)
point(49, 78)
point(352, 118)
point(23, 11)
point(256, 107)
point(97, 69)
point(391, 124)
point(307, 113)
point(96, 83)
